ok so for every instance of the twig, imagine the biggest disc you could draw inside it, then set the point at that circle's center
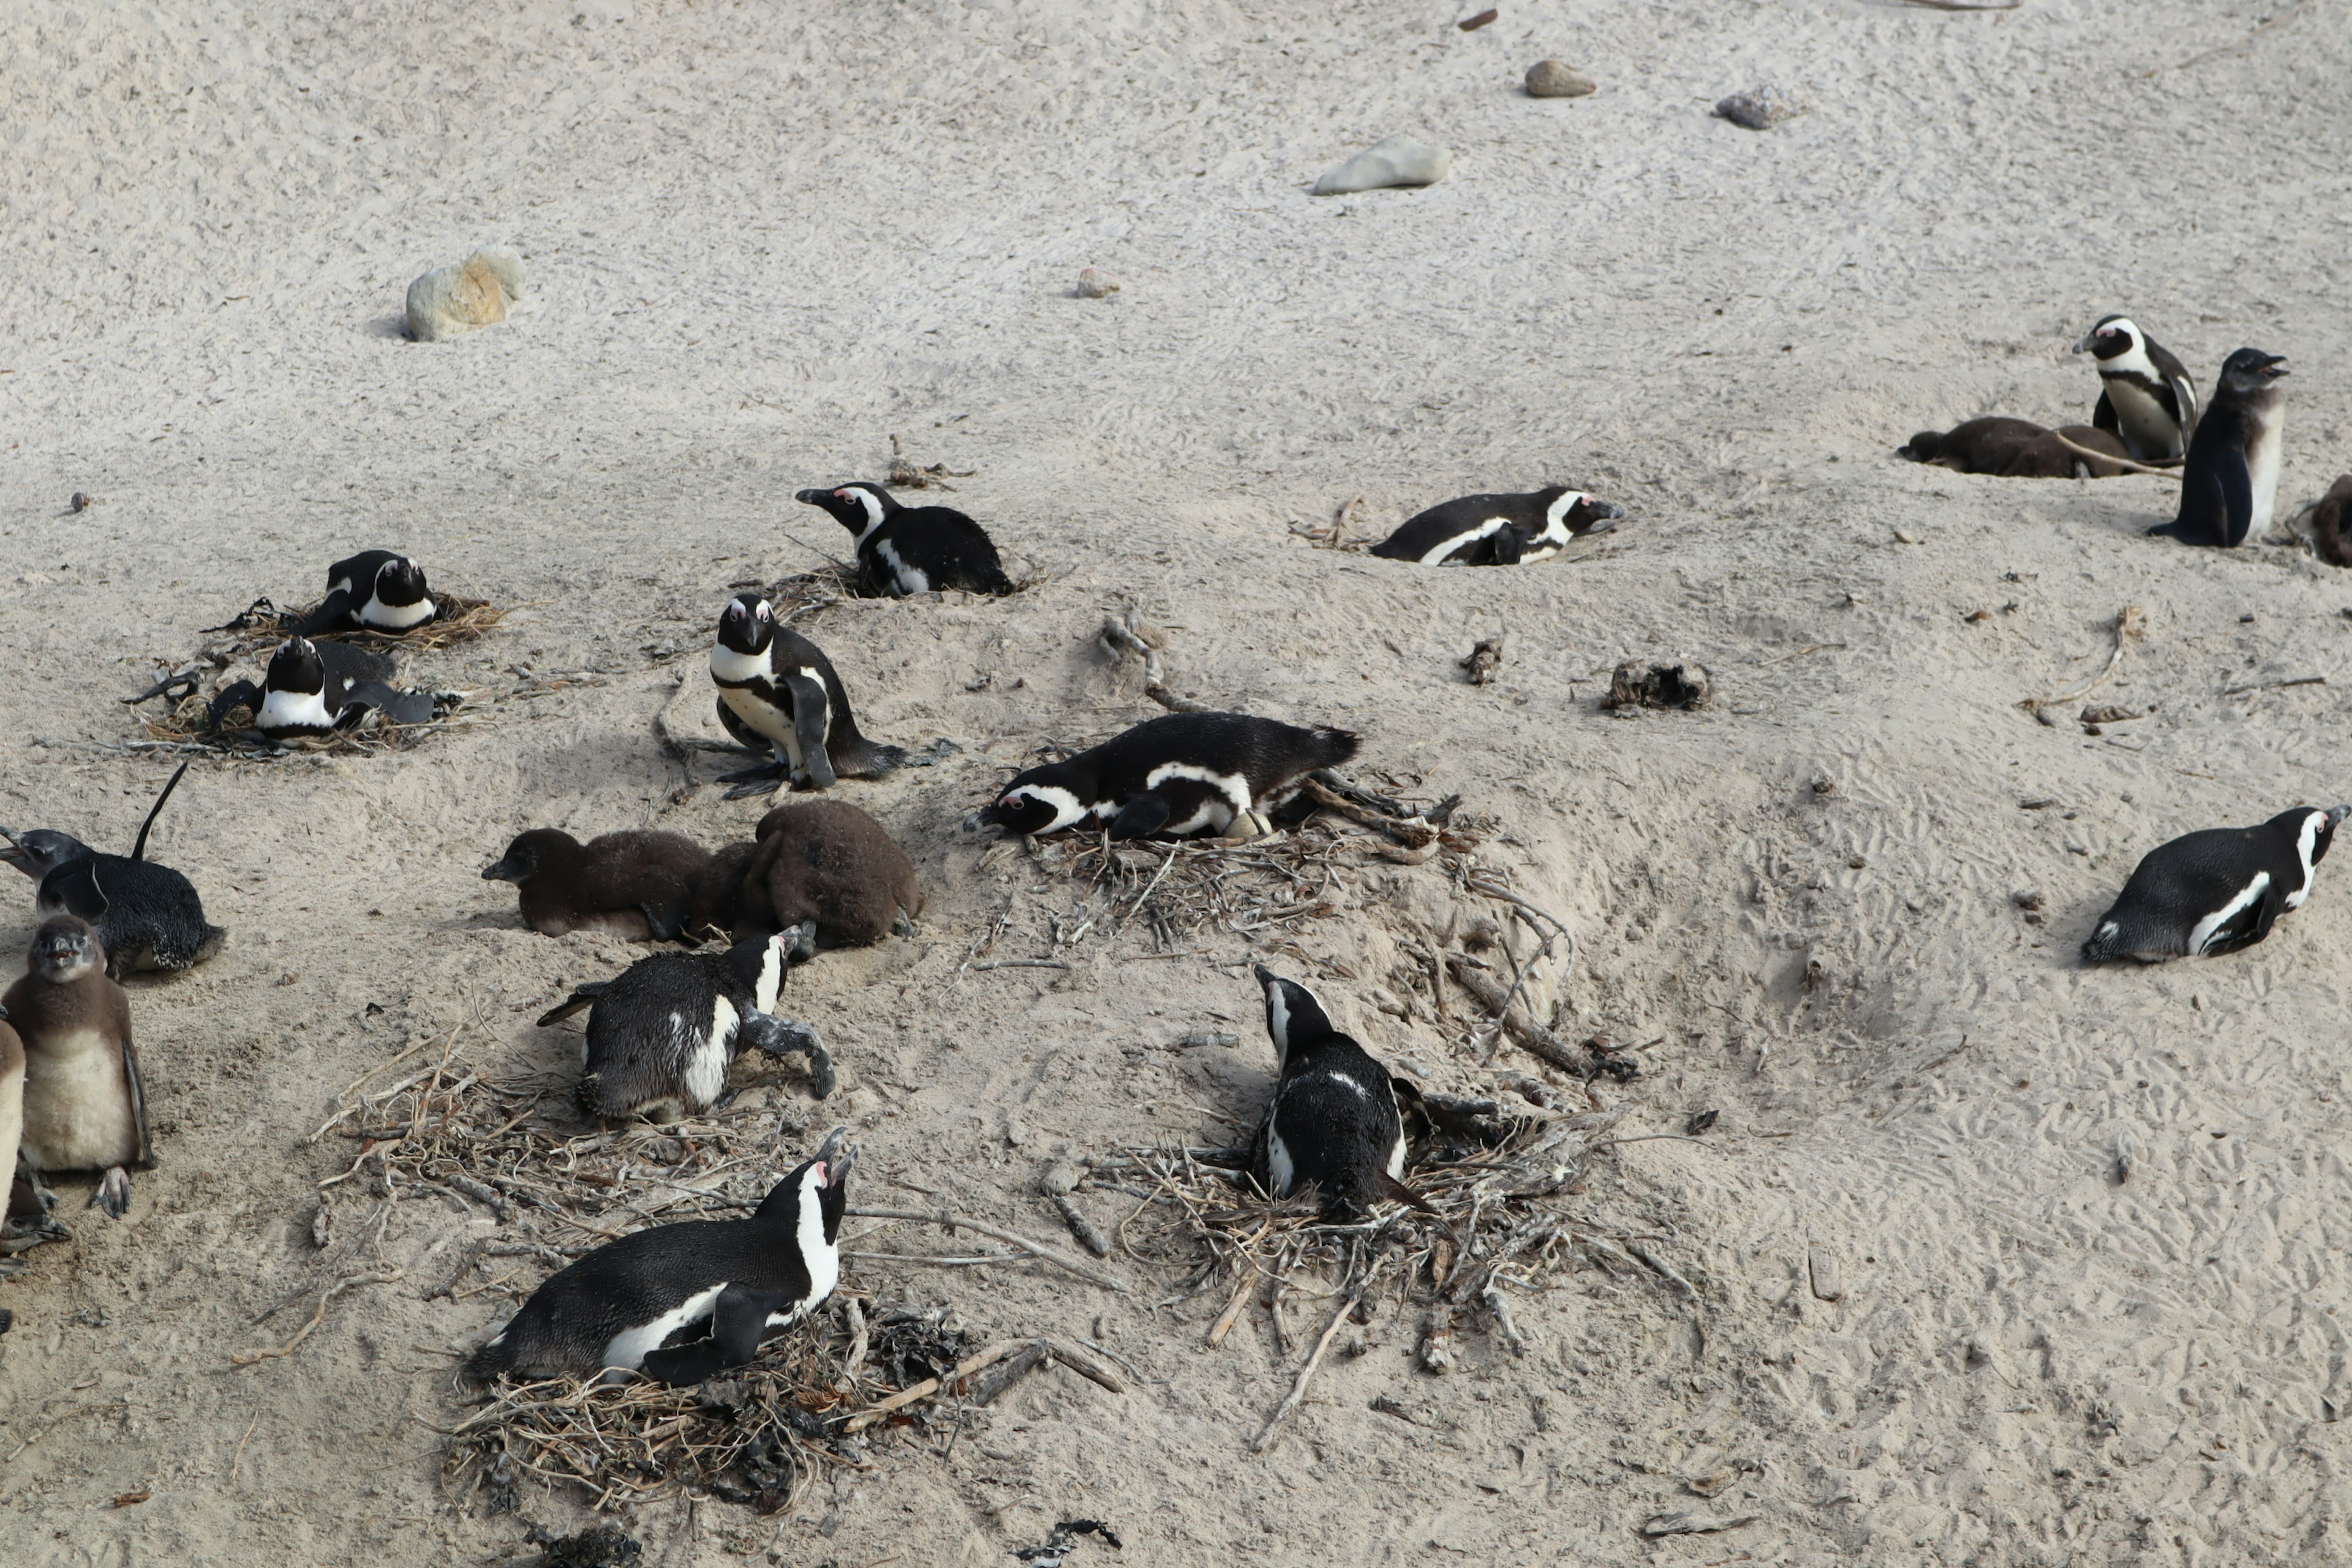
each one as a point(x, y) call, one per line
point(248, 1358)
point(238, 1457)
point(1120, 635)
point(1660, 1267)
point(2286, 15)
point(1265, 1439)
point(1081, 1226)
point(1021, 964)
point(2276, 685)
point(1529, 1035)
point(1967, 4)
point(930, 1385)
point(956, 1221)
point(2123, 463)
point(1501, 1309)
point(2129, 622)
point(936, 1262)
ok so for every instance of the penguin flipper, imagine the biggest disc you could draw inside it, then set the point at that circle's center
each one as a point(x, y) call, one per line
point(736, 1323)
point(232, 696)
point(742, 734)
point(812, 716)
point(2237, 484)
point(1509, 546)
point(398, 706)
point(2248, 927)
point(2204, 516)
point(1142, 816)
point(73, 888)
point(2103, 415)
point(581, 997)
point(334, 613)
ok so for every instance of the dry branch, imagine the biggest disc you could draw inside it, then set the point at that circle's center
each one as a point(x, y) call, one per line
point(953, 1222)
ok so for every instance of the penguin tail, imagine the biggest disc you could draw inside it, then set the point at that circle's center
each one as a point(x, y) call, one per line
point(2105, 944)
point(486, 1365)
point(1333, 747)
point(215, 939)
point(864, 759)
point(1390, 1187)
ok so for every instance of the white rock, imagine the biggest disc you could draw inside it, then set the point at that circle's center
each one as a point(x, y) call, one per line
point(1392, 161)
point(449, 302)
point(1094, 283)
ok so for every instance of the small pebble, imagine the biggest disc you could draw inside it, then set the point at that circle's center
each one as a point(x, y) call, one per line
point(1758, 110)
point(1555, 78)
point(1094, 283)
point(1471, 24)
point(81, 502)
point(1394, 162)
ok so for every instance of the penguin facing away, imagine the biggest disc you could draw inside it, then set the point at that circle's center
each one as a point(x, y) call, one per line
point(2215, 891)
point(2229, 484)
point(620, 1307)
point(84, 1106)
point(779, 693)
point(1500, 529)
point(638, 885)
point(2017, 449)
point(1178, 775)
point(827, 863)
point(374, 591)
point(663, 1032)
point(1333, 1122)
point(146, 916)
point(2331, 523)
point(2145, 397)
point(315, 688)
point(906, 550)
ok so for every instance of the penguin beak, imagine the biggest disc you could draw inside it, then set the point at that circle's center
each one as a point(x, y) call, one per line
point(811, 497)
point(831, 1148)
point(1264, 976)
point(2089, 341)
point(2336, 814)
point(499, 871)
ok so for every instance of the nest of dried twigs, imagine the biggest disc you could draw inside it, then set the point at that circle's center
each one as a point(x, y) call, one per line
point(187, 722)
point(264, 624)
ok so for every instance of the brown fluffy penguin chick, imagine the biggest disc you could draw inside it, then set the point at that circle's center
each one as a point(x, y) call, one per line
point(12, 1110)
point(2017, 449)
point(716, 901)
point(2331, 524)
point(85, 1109)
point(825, 860)
point(638, 885)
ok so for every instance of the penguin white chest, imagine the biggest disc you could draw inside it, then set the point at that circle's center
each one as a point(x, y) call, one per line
point(295, 710)
point(77, 1110)
point(2142, 416)
point(2263, 452)
point(907, 580)
point(629, 1348)
point(396, 617)
point(707, 1058)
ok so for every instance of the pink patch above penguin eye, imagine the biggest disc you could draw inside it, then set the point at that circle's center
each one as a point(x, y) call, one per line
point(823, 1176)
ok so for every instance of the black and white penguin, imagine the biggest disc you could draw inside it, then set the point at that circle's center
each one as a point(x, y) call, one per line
point(1333, 1122)
point(2020, 449)
point(374, 591)
point(620, 1308)
point(314, 688)
point(2146, 397)
point(778, 693)
point(1500, 529)
point(907, 550)
point(2230, 483)
point(1176, 775)
point(2215, 891)
point(663, 1032)
point(146, 916)
point(85, 1107)
point(638, 885)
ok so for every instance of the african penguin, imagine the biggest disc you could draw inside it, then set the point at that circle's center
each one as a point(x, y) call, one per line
point(374, 591)
point(2331, 523)
point(638, 885)
point(1178, 774)
point(2215, 891)
point(2145, 394)
point(778, 693)
point(314, 688)
point(826, 862)
point(1333, 1121)
point(2018, 449)
point(907, 550)
point(85, 1109)
point(12, 1110)
point(619, 1307)
point(146, 916)
point(2230, 483)
point(1500, 529)
point(663, 1032)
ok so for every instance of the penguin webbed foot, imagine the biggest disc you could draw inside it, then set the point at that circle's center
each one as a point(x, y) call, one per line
point(802, 947)
point(903, 924)
point(114, 1193)
point(782, 1037)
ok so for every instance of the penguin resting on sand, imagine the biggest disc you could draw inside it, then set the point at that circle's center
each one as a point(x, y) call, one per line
point(2230, 483)
point(827, 864)
point(619, 1307)
point(2017, 449)
point(1333, 1122)
point(2145, 397)
point(1500, 529)
point(146, 916)
point(2331, 523)
point(85, 1107)
point(778, 693)
point(907, 550)
point(316, 688)
point(638, 885)
point(1176, 775)
point(2215, 891)
point(374, 591)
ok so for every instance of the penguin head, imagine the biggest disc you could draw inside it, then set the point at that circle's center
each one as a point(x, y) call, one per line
point(2311, 829)
point(747, 624)
point(1034, 803)
point(1576, 513)
point(2112, 338)
point(857, 506)
point(296, 667)
point(37, 851)
point(64, 949)
point(400, 583)
point(822, 1183)
point(1293, 1016)
point(530, 854)
point(2251, 370)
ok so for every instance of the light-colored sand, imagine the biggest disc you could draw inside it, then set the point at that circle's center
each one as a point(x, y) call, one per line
point(763, 238)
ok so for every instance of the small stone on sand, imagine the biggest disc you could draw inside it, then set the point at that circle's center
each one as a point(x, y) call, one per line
point(1758, 110)
point(1094, 283)
point(1392, 162)
point(1552, 79)
point(449, 302)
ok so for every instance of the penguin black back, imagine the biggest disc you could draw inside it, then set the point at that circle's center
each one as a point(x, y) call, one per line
point(376, 591)
point(2229, 486)
point(1499, 529)
point(2146, 398)
point(779, 693)
point(621, 1304)
point(1333, 1121)
point(1178, 775)
point(2217, 890)
point(146, 916)
point(906, 550)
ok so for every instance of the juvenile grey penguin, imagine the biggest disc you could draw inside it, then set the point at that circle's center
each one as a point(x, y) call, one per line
point(663, 1032)
point(2229, 484)
point(1178, 774)
point(2215, 891)
point(315, 688)
point(778, 693)
point(1500, 529)
point(1333, 1121)
point(682, 1302)
point(826, 862)
point(2018, 449)
point(374, 591)
point(85, 1107)
point(12, 1109)
point(638, 884)
point(906, 550)
point(2144, 394)
point(147, 916)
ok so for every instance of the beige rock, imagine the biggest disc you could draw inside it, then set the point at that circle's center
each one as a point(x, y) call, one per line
point(1553, 78)
point(1094, 283)
point(449, 302)
point(1394, 162)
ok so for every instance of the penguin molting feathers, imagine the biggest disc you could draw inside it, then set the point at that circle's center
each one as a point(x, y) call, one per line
point(1176, 775)
point(2215, 891)
point(683, 1302)
point(314, 688)
point(2230, 483)
point(1333, 1121)
point(146, 916)
point(374, 591)
point(637, 884)
point(907, 550)
point(2145, 397)
point(779, 693)
point(1500, 529)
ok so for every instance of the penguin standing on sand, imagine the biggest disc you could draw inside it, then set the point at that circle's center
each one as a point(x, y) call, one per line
point(2229, 484)
point(620, 1306)
point(315, 688)
point(1500, 529)
point(146, 916)
point(85, 1109)
point(778, 693)
point(1176, 775)
point(905, 550)
point(2144, 394)
point(664, 1032)
point(1333, 1121)
point(374, 591)
point(638, 885)
point(2215, 891)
